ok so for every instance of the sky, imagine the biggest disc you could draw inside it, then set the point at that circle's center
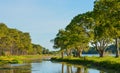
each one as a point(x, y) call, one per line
point(41, 18)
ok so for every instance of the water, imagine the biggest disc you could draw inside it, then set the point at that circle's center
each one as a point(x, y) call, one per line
point(48, 67)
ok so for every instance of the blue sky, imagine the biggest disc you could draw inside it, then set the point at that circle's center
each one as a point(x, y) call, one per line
point(41, 18)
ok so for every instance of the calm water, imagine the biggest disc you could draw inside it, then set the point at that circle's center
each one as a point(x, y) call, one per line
point(47, 67)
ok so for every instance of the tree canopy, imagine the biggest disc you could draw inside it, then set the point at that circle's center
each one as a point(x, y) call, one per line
point(100, 27)
point(16, 42)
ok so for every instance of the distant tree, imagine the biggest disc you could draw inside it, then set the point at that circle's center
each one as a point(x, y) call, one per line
point(37, 49)
point(15, 42)
point(45, 51)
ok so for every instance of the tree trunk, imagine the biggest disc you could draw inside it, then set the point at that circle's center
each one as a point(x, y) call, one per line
point(62, 54)
point(117, 47)
point(79, 53)
point(100, 49)
point(102, 52)
point(68, 52)
point(75, 53)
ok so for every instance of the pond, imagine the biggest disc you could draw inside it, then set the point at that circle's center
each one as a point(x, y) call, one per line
point(48, 67)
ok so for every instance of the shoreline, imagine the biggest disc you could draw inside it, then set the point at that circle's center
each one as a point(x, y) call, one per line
point(95, 62)
point(22, 58)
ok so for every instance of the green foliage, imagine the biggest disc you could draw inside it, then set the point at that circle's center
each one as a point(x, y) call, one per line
point(15, 42)
point(62, 41)
point(106, 62)
point(77, 34)
point(11, 59)
point(107, 20)
point(37, 48)
point(18, 59)
point(45, 51)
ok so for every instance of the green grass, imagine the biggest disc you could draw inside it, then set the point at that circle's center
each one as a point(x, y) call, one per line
point(106, 62)
point(18, 59)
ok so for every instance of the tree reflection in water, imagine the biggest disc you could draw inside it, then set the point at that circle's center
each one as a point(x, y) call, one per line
point(15, 69)
point(67, 68)
point(62, 68)
point(47, 67)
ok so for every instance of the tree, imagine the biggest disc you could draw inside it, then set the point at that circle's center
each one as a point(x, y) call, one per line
point(61, 41)
point(106, 13)
point(101, 38)
point(3, 30)
point(37, 49)
point(45, 51)
point(3, 39)
point(81, 31)
point(16, 42)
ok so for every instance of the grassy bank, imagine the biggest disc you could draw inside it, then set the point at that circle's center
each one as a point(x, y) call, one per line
point(106, 62)
point(19, 59)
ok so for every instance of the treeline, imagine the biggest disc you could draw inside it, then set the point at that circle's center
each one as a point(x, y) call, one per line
point(16, 42)
point(98, 28)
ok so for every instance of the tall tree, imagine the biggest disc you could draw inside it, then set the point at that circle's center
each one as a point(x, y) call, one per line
point(3, 34)
point(81, 31)
point(15, 42)
point(61, 41)
point(107, 16)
